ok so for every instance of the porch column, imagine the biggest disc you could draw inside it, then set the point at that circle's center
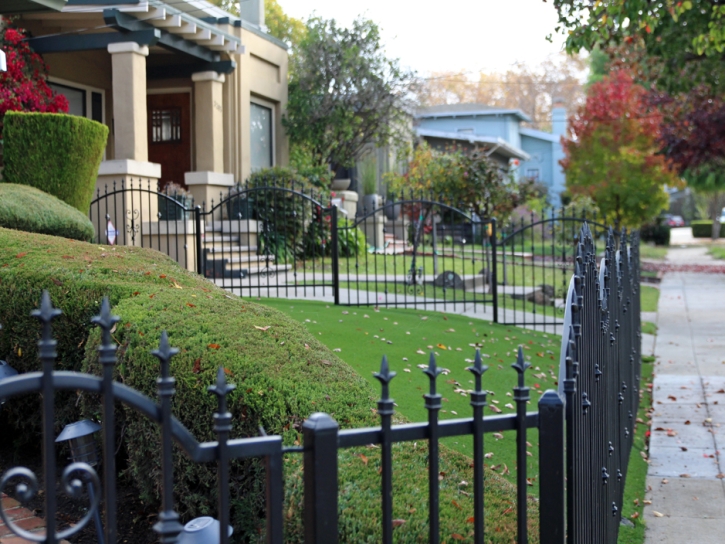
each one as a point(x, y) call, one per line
point(130, 136)
point(209, 121)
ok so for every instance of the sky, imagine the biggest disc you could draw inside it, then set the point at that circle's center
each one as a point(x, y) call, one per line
point(450, 35)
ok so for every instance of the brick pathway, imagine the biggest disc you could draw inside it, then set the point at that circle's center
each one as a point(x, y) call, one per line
point(23, 518)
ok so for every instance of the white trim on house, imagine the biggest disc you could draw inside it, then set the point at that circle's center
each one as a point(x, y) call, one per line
point(89, 96)
point(501, 145)
point(539, 134)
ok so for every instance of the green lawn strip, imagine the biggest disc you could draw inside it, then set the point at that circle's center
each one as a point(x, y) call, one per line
point(650, 296)
point(634, 488)
point(717, 252)
point(647, 251)
point(363, 334)
point(648, 327)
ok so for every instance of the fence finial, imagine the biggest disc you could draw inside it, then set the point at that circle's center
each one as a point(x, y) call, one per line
point(221, 389)
point(45, 314)
point(384, 377)
point(106, 321)
point(433, 372)
point(520, 366)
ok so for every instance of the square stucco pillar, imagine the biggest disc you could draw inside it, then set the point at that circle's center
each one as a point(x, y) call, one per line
point(209, 121)
point(128, 63)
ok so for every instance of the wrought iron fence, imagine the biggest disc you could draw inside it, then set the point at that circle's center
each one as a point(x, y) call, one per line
point(413, 250)
point(599, 380)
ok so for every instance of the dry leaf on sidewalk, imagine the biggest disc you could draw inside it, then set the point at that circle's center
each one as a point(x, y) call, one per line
point(657, 514)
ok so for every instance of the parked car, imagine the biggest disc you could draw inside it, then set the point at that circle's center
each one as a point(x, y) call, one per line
point(674, 221)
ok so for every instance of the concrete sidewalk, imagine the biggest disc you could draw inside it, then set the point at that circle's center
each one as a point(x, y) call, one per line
point(685, 475)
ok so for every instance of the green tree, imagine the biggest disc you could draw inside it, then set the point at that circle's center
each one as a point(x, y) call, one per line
point(683, 41)
point(344, 93)
point(612, 153)
point(280, 25)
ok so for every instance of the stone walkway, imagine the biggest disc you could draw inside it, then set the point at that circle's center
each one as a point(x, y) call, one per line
point(685, 475)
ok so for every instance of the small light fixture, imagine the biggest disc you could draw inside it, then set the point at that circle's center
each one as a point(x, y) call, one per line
point(79, 435)
point(6, 371)
point(3, 62)
point(201, 530)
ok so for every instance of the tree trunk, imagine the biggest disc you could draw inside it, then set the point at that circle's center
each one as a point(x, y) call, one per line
point(716, 205)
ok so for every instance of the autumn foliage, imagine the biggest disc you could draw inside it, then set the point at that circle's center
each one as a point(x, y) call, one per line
point(612, 153)
point(23, 87)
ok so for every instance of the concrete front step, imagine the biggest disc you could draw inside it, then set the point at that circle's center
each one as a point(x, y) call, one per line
point(257, 268)
point(220, 249)
point(211, 237)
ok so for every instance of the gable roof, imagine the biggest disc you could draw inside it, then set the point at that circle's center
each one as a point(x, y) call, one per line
point(499, 145)
point(468, 110)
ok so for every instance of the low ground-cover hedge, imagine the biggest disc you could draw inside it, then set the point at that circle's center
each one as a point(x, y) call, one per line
point(282, 375)
point(57, 153)
point(29, 209)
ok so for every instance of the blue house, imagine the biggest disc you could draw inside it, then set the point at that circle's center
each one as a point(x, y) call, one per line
point(528, 152)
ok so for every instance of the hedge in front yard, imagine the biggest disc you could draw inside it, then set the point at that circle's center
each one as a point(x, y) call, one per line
point(657, 234)
point(29, 209)
point(283, 374)
point(57, 153)
point(703, 229)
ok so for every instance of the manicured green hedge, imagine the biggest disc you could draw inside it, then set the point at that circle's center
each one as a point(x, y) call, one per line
point(29, 209)
point(56, 153)
point(282, 374)
point(703, 229)
point(657, 234)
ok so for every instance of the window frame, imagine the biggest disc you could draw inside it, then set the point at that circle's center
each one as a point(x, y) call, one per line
point(89, 90)
point(271, 106)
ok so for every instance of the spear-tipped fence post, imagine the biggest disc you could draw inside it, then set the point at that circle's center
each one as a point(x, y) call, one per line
point(521, 396)
point(386, 411)
point(320, 479)
point(107, 357)
point(47, 355)
point(433, 405)
point(478, 402)
point(551, 469)
point(222, 428)
point(168, 526)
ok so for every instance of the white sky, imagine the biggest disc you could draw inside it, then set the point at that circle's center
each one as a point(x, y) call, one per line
point(446, 35)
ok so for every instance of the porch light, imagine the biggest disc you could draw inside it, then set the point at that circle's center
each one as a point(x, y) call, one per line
point(6, 371)
point(201, 530)
point(83, 449)
point(80, 438)
point(3, 62)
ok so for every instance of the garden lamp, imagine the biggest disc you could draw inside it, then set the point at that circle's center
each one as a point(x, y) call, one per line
point(201, 531)
point(79, 436)
point(3, 62)
point(6, 371)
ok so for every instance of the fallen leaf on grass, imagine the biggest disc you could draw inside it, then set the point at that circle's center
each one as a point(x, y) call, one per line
point(190, 305)
point(420, 352)
point(363, 458)
point(197, 366)
point(495, 409)
point(456, 536)
point(398, 522)
point(213, 346)
point(455, 503)
point(635, 515)
point(262, 328)
point(21, 255)
point(441, 346)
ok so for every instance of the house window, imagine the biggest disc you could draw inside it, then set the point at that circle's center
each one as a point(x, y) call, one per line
point(166, 125)
point(82, 101)
point(533, 173)
point(261, 137)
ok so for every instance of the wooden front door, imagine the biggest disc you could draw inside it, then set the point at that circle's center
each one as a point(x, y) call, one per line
point(169, 125)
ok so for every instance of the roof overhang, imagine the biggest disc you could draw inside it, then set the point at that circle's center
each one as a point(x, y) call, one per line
point(496, 145)
point(474, 113)
point(539, 135)
point(11, 7)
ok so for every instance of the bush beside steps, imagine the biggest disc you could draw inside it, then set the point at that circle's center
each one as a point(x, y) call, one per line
point(283, 374)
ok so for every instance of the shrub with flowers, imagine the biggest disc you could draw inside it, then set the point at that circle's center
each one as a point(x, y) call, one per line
point(23, 87)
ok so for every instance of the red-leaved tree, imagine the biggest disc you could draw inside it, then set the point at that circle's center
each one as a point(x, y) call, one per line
point(23, 87)
point(612, 153)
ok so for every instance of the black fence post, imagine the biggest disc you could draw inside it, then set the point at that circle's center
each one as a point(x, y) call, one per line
point(335, 256)
point(494, 270)
point(320, 474)
point(551, 469)
point(199, 258)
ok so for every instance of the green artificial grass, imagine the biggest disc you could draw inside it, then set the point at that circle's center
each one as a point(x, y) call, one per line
point(635, 487)
point(282, 374)
point(718, 252)
point(648, 327)
point(407, 337)
point(650, 296)
point(647, 251)
point(31, 210)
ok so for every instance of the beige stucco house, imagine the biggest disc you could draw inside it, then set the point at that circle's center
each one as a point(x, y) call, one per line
point(192, 94)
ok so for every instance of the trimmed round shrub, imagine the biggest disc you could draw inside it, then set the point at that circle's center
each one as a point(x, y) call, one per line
point(657, 234)
point(29, 209)
point(57, 153)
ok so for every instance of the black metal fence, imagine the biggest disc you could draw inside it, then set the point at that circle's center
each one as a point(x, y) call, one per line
point(413, 250)
point(585, 429)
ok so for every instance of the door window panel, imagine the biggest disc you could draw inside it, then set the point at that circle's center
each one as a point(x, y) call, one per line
point(166, 125)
